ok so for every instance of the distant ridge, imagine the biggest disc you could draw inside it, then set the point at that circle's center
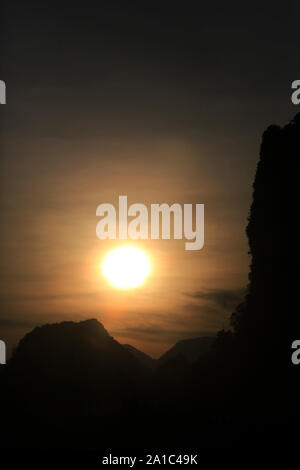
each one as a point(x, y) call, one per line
point(141, 356)
point(190, 349)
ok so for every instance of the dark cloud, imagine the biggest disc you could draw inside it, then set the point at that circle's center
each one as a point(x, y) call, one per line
point(223, 299)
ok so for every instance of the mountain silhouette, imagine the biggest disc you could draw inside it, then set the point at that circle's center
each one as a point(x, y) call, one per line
point(141, 356)
point(74, 347)
point(66, 377)
point(189, 349)
point(184, 351)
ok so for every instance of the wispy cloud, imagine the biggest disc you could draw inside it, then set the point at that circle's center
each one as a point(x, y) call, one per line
point(222, 298)
point(206, 313)
point(41, 297)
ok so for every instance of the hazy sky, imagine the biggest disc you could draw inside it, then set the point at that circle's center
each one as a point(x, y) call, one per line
point(160, 102)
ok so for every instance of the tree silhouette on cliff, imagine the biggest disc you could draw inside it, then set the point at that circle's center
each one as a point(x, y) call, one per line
point(264, 323)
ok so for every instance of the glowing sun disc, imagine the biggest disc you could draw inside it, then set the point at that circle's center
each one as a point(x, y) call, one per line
point(126, 267)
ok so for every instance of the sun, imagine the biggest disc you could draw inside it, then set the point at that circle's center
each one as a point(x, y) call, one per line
point(126, 267)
